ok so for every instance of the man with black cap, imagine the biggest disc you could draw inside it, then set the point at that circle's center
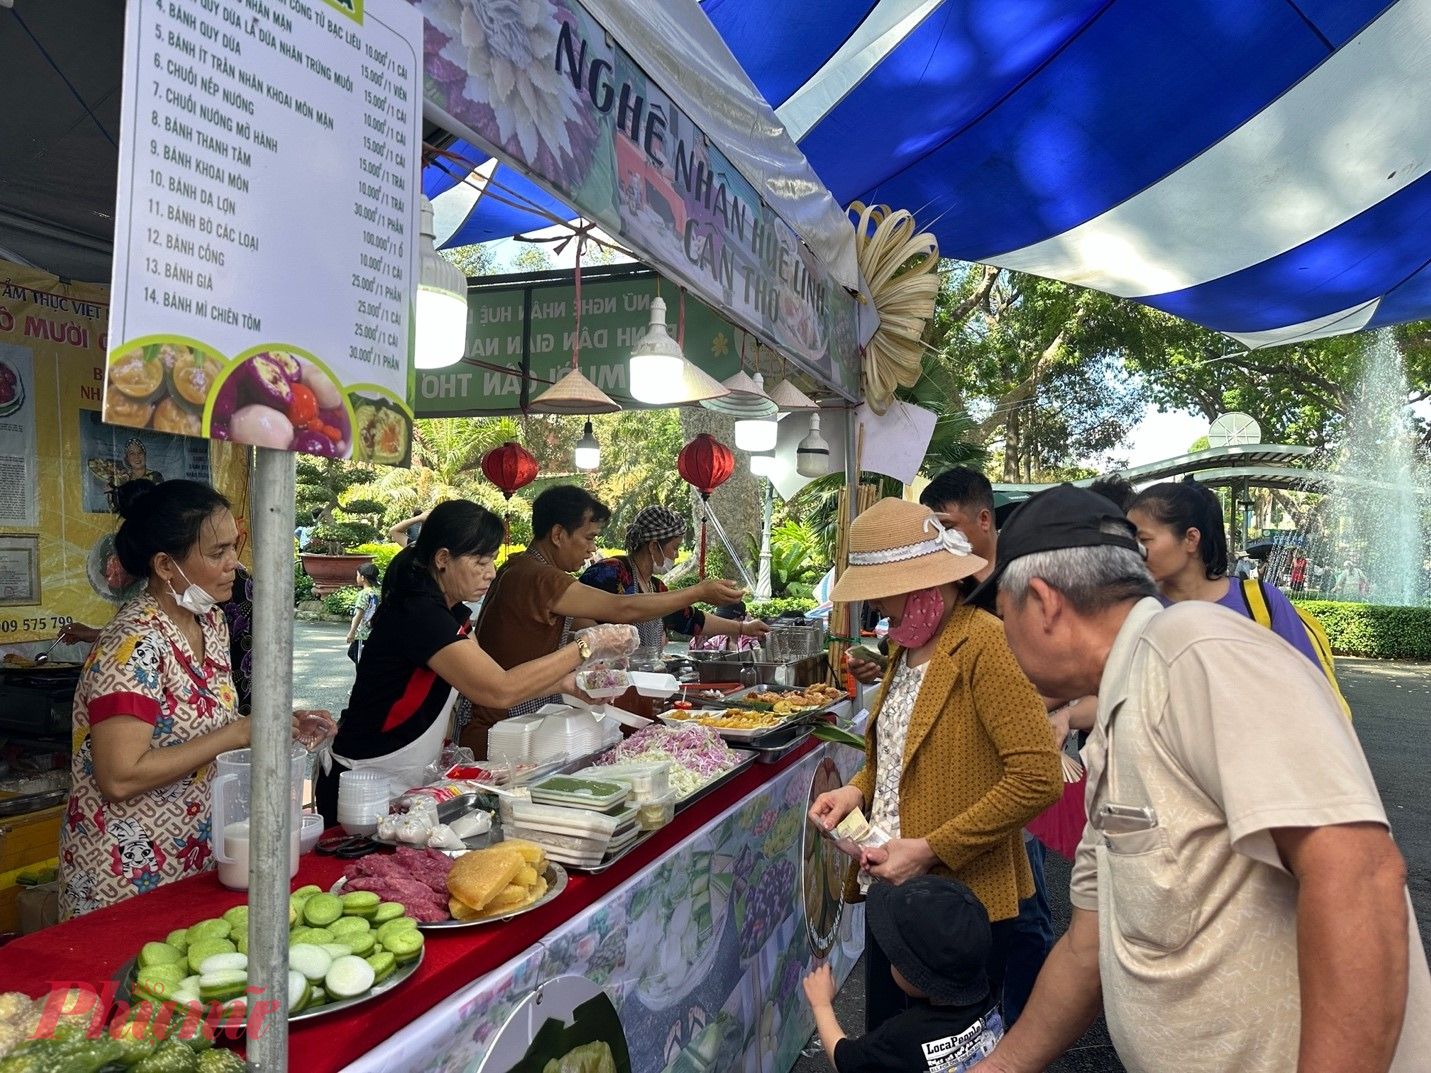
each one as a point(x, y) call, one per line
point(1239, 905)
point(935, 933)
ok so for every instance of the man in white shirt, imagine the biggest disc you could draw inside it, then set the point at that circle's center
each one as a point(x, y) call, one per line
point(1239, 905)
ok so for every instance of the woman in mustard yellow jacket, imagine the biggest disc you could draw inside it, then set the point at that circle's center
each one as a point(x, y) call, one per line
point(958, 754)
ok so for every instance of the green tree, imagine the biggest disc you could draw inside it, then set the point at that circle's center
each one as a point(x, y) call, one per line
point(329, 490)
point(1299, 393)
point(533, 258)
point(954, 443)
point(475, 260)
point(446, 464)
point(1039, 364)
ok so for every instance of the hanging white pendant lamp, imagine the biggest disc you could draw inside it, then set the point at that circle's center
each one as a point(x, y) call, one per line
point(657, 362)
point(441, 302)
point(812, 454)
point(588, 451)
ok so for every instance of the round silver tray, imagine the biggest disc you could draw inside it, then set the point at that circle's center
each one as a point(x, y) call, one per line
point(125, 978)
point(556, 878)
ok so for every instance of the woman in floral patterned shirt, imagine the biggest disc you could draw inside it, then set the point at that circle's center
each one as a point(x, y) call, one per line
point(155, 703)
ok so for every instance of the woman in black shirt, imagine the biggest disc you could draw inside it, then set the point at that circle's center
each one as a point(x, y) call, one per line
point(419, 655)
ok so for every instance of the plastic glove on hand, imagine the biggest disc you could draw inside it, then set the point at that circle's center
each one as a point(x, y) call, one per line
point(610, 640)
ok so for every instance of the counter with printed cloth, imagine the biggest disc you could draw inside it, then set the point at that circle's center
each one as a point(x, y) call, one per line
point(699, 937)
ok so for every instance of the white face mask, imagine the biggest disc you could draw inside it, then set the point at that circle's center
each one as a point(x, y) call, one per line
point(661, 565)
point(193, 598)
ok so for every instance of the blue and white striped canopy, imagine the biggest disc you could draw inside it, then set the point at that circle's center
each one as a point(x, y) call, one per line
point(1256, 166)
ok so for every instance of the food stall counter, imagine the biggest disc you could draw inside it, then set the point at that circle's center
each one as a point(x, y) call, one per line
point(93, 949)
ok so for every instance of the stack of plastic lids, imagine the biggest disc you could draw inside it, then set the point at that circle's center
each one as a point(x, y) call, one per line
point(511, 739)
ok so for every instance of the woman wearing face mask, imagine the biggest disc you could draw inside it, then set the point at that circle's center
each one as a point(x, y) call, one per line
point(155, 704)
point(419, 654)
point(653, 540)
point(958, 752)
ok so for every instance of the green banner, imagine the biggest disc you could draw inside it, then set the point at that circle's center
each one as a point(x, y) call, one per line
point(506, 342)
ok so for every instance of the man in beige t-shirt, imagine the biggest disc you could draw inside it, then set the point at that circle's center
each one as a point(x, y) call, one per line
point(1239, 905)
point(525, 612)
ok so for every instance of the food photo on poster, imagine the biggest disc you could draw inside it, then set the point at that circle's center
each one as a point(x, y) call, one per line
point(281, 399)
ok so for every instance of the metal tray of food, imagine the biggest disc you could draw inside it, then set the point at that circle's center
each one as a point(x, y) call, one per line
point(753, 695)
point(129, 970)
point(776, 747)
point(744, 737)
point(452, 809)
point(555, 876)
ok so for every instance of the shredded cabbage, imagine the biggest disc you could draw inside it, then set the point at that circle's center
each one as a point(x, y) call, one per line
point(697, 754)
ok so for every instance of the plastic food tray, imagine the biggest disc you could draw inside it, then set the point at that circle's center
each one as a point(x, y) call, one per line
point(600, 795)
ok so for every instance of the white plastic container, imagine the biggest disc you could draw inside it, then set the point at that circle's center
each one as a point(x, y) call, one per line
point(566, 735)
point(511, 739)
point(647, 781)
point(584, 791)
point(558, 819)
point(656, 813)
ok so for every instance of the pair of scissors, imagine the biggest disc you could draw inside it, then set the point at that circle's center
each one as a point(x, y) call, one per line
point(346, 847)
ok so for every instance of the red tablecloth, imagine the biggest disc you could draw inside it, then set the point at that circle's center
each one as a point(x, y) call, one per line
point(92, 948)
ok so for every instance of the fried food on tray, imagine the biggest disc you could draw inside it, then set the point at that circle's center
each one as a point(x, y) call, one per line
point(496, 881)
point(816, 696)
point(731, 719)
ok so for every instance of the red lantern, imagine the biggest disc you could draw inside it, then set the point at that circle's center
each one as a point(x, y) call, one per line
point(510, 467)
point(706, 464)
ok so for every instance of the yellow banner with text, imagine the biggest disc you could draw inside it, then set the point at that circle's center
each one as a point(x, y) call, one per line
point(61, 467)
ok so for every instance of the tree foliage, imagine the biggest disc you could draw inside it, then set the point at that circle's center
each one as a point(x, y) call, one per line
point(1055, 374)
point(475, 260)
point(1299, 393)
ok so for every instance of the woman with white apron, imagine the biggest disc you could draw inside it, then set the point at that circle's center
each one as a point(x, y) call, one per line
point(420, 655)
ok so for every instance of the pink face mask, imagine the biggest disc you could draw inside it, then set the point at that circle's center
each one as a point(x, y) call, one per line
point(923, 612)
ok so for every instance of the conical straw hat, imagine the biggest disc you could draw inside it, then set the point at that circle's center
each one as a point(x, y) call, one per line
point(747, 399)
point(573, 394)
point(788, 398)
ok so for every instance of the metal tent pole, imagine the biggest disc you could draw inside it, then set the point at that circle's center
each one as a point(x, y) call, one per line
point(271, 509)
point(762, 581)
point(852, 500)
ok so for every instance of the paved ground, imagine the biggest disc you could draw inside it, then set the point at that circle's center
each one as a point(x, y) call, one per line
point(322, 673)
point(1391, 703)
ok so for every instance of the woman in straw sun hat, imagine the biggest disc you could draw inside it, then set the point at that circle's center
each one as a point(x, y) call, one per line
point(958, 752)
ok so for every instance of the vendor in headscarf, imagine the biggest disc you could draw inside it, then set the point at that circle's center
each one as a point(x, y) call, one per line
point(653, 540)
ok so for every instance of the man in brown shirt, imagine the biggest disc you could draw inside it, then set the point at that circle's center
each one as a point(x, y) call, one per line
point(526, 610)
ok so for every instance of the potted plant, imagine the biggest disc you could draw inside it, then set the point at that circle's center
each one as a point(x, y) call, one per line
point(326, 556)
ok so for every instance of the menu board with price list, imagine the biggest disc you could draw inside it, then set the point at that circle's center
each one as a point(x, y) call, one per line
point(267, 224)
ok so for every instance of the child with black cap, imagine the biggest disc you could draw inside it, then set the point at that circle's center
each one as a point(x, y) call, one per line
point(936, 935)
